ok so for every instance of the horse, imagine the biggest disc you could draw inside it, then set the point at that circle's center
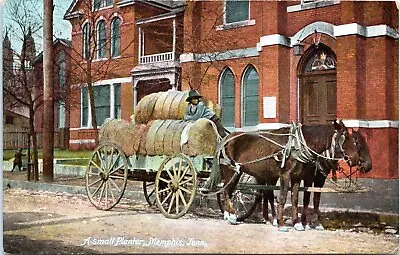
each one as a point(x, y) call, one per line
point(320, 175)
point(267, 156)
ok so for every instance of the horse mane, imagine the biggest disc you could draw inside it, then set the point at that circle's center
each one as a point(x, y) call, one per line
point(318, 137)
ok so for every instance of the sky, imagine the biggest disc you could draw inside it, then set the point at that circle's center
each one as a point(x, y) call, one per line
point(62, 28)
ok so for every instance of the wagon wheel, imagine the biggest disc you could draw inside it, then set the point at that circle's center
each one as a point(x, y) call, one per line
point(149, 191)
point(244, 201)
point(175, 186)
point(106, 176)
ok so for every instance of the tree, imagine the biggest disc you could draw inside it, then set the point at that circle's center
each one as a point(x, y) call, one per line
point(20, 84)
point(89, 62)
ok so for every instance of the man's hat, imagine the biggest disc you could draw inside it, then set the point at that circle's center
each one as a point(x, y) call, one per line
point(193, 94)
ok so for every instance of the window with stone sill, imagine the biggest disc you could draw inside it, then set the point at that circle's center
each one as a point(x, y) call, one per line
point(101, 39)
point(99, 4)
point(236, 14)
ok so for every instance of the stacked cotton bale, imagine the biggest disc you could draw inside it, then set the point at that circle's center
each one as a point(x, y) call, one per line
point(164, 137)
point(164, 105)
point(157, 126)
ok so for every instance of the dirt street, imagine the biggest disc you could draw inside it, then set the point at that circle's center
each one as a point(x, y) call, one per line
point(46, 223)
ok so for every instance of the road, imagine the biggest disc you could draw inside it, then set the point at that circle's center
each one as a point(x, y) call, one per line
point(37, 222)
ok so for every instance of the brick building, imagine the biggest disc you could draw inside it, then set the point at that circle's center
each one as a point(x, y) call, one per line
point(125, 49)
point(267, 63)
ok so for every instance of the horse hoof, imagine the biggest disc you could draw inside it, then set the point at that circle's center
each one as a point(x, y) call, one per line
point(232, 219)
point(283, 229)
point(308, 227)
point(319, 227)
point(226, 215)
point(299, 227)
point(275, 223)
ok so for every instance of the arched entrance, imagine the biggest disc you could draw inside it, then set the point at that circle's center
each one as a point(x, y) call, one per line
point(317, 73)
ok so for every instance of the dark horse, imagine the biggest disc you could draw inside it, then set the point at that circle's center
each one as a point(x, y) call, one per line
point(317, 176)
point(261, 155)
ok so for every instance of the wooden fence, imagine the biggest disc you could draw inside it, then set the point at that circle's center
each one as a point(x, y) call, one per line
point(20, 139)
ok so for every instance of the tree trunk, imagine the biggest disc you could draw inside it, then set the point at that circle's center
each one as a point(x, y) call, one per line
point(48, 93)
point(35, 169)
point(91, 100)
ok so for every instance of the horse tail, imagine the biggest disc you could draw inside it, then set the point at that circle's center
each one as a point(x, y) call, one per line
point(215, 175)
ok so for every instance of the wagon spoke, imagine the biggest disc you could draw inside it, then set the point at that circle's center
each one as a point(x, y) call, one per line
point(111, 192)
point(186, 181)
point(106, 195)
point(163, 190)
point(186, 190)
point(95, 164)
point(182, 198)
point(101, 193)
point(170, 175)
point(116, 186)
point(116, 169)
point(166, 198)
point(115, 161)
point(93, 183)
point(177, 203)
point(171, 203)
point(164, 180)
point(111, 159)
point(96, 190)
point(117, 177)
point(184, 173)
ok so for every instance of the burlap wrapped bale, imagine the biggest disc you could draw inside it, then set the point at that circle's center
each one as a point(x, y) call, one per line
point(126, 139)
point(169, 137)
point(152, 136)
point(143, 138)
point(162, 133)
point(145, 107)
point(202, 139)
point(109, 130)
point(170, 104)
point(176, 140)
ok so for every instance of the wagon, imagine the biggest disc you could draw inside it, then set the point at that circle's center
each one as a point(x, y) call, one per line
point(169, 181)
point(169, 172)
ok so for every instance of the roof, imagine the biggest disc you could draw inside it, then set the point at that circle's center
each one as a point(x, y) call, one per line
point(164, 16)
point(163, 4)
point(65, 42)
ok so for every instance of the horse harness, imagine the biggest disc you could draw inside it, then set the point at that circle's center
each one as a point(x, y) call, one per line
point(296, 146)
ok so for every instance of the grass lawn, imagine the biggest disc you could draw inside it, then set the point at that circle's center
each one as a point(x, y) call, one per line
point(58, 153)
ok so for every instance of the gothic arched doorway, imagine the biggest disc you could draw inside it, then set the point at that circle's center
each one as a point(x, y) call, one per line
point(317, 75)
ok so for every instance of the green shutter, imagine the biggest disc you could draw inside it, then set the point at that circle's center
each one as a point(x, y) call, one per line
point(228, 98)
point(237, 11)
point(251, 98)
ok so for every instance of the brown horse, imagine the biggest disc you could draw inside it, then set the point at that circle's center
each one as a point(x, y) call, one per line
point(261, 155)
point(317, 176)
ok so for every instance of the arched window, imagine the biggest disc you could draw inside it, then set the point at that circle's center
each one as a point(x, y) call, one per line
point(250, 97)
point(227, 98)
point(86, 41)
point(115, 37)
point(101, 39)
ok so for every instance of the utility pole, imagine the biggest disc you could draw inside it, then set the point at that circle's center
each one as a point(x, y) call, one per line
point(48, 92)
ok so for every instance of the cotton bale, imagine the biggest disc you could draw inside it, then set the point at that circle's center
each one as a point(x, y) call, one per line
point(109, 130)
point(202, 138)
point(144, 109)
point(162, 132)
point(143, 138)
point(169, 137)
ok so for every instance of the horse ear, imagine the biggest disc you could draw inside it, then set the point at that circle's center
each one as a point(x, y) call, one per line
point(336, 125)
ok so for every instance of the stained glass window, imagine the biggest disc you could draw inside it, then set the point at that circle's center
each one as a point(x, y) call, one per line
point(320, 60)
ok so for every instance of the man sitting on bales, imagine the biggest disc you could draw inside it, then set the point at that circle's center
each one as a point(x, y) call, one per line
point(196, 109)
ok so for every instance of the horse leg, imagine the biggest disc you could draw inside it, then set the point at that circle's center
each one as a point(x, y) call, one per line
point(319, 182)
point(271, 200)
point(295, 205)
point(230, 212)
point(284, 187)
point(306, 203)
